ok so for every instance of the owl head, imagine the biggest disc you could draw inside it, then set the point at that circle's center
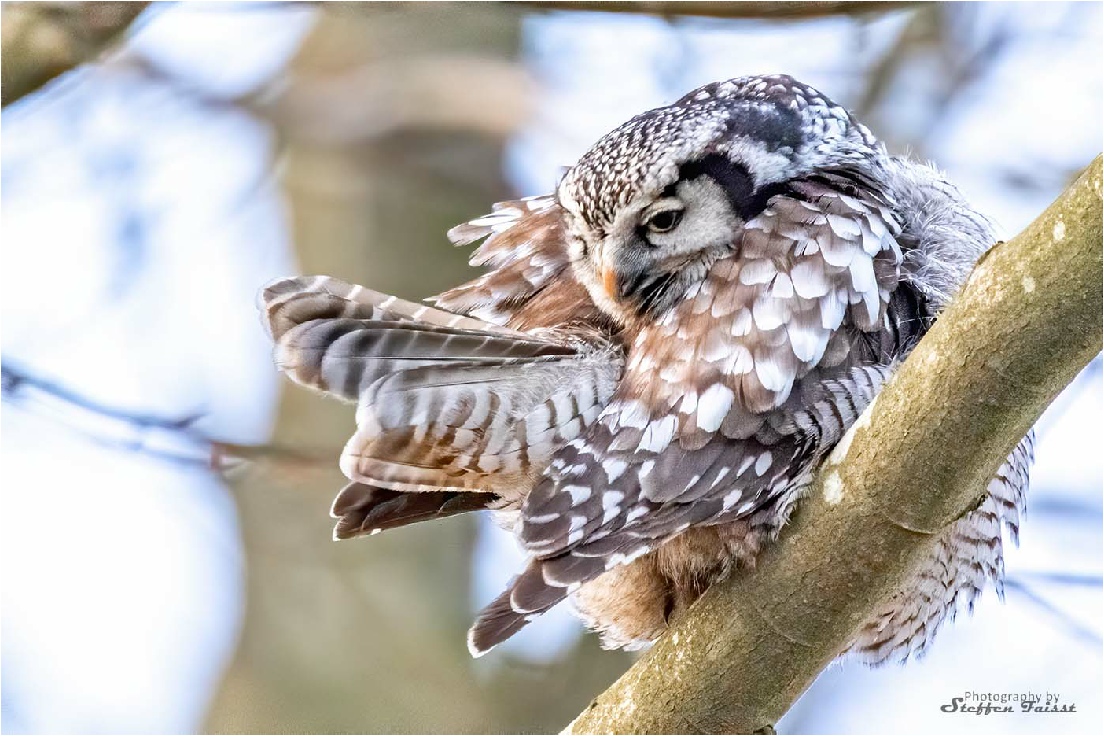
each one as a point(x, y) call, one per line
point(654, 203)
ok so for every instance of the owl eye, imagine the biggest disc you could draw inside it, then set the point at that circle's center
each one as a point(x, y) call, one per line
point(664, 222)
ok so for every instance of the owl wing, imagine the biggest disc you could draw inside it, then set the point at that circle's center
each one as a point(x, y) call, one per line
point(490, 425)
point(600, 506)
point(474, 426)
point(340, 338)
point(456, 407)
point(366, 509)
point(523, 248)
point(530, 283)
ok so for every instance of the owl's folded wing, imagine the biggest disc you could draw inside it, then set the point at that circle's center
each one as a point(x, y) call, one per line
point(603, 504)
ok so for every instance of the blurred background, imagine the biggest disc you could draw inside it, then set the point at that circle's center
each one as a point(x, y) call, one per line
point(159, 164)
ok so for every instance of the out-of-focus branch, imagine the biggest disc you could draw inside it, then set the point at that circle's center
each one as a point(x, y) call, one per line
point(172, 439)
point(489, 96)
point(40, 41)
point(764, 10)
point(1026, 322)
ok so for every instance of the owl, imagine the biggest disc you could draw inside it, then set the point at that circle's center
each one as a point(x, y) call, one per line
point(656, 360)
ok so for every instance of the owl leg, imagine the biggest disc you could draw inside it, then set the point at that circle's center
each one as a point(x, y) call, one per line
point(631, 605)
point(698, 558)
point(628, 605)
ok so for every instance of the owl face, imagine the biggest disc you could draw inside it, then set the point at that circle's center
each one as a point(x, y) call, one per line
point(654, 203)
point(654, 247)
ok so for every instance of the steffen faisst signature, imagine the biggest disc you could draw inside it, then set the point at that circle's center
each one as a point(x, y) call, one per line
point(984, 704)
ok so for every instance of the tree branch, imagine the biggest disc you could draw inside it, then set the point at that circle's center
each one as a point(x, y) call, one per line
point(1026, 322)
point(44, 40)
point(793, 10)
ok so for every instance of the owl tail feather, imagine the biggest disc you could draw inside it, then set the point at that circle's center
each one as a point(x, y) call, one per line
point(528, 596)
point(363, 509)
point(535, 591)
point(339, 338)
point(496, 623)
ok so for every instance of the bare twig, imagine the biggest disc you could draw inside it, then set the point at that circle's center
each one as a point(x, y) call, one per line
point(763, 10)
point(173, 439)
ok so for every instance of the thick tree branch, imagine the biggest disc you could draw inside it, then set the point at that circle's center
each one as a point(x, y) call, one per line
point(1027, 321)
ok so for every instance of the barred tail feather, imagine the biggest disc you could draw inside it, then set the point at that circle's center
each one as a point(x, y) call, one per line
point(363, 509)
point(496, 623)
point(966, 557)
point(339, 338)
point(474, 426)
point(528, 597)
point(290, 301)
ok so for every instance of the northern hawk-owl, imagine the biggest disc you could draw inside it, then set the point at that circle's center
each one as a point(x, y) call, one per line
point(656, 361)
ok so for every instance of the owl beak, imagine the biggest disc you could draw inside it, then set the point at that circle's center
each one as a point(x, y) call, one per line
point(609, 282)
point(623, 282)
